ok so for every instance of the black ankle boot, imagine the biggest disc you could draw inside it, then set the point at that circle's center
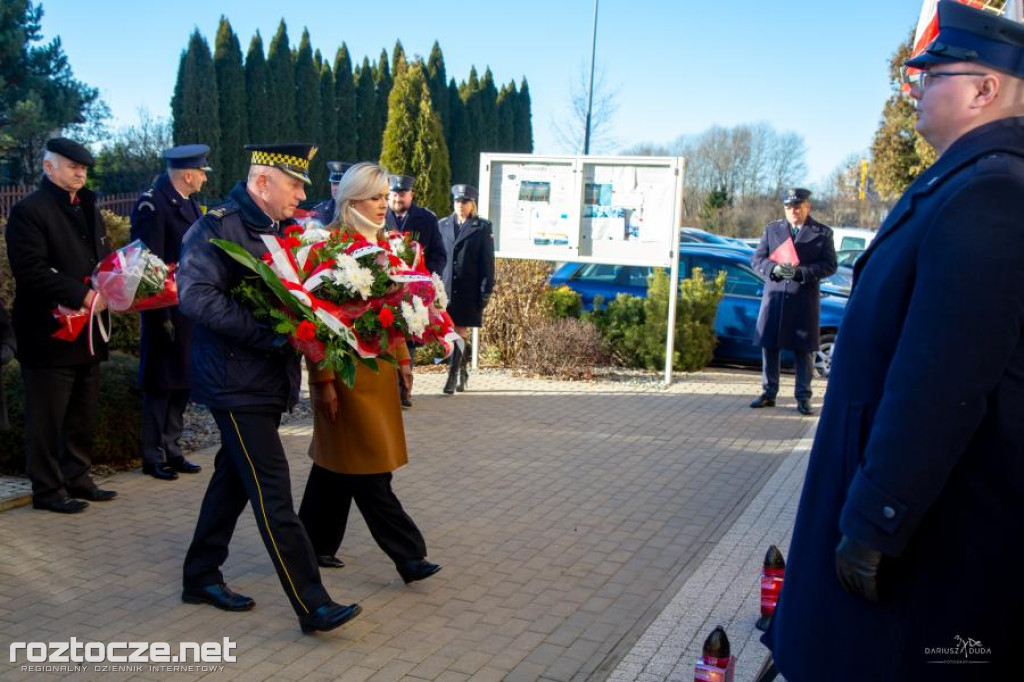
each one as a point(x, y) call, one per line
point(454, 364)
point(464, 369)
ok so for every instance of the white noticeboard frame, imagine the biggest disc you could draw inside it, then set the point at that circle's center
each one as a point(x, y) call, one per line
point(621, 210)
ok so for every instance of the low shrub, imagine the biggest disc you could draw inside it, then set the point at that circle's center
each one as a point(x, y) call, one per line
point(564, 348)
point(518, 306)
point(564, 302)
point(118, 423)
point(635, 328)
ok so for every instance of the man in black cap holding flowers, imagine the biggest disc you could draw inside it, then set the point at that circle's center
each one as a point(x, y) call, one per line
point(55, 238)
point(247, 374)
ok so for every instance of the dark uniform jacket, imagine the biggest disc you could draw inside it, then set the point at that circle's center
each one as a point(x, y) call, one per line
point(790, 309)
point(469, 272)
point(422, 224)
point(53, 246)
point(160, 218)
point(920, 448)
point(235, 365)
point(323, 212)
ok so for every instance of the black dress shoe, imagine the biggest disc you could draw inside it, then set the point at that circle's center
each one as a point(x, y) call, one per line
point(416, 569)
point(64, 506)
point(328, 561)
point(328, 617)
point(94, 495)
point(804, 407)
point(763, 400)
point(219, 595)
point(183, 466)
point(162, 472)
point(406, 403)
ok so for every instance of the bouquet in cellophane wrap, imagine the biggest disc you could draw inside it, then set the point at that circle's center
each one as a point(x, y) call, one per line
point(133, 278)
point(343, 299)
point(130, 279)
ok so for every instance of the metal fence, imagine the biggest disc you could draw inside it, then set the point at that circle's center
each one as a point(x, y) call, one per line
point(120, 204)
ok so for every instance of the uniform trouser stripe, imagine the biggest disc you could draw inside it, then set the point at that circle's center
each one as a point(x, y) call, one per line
point(263, 511)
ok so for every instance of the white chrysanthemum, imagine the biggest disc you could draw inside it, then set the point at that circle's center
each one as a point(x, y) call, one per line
point(440, 295)
point(396, 244)
point(350, 273)
point(416, 315)
point(314, 234)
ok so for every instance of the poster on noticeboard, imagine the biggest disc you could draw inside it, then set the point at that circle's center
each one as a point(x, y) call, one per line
point(583, 208)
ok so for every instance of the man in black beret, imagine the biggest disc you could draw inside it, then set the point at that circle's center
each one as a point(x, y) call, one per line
point(905, 558)
point(160, 218)
point(248, 375)
point(791, 302)
point(55, 238)
point(405, 215)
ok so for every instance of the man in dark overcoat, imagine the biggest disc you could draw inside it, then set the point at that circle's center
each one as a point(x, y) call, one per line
point(468, 275)
point(906, 554)
point(406, 216)
point(160, 218)
point(248, 375)
point(791, 302)
point(55, 238)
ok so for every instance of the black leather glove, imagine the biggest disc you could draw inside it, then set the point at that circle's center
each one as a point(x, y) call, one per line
point(857, 569)
point(799, 274)
point(168, 328)
point(783, 271)
point(6, 354)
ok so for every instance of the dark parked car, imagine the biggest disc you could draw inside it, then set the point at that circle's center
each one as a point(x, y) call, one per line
point(737, 313)
point(693, 235)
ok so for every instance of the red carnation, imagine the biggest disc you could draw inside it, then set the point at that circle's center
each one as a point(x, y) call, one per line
point(293, 230)
point(386, 317)
point(306, 331)
point(395, 261)
point(292, 242)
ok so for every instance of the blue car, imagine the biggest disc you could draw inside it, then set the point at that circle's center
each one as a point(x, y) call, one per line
point(737, 313)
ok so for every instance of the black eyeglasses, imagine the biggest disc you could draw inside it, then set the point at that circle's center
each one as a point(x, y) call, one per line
point(921, 79)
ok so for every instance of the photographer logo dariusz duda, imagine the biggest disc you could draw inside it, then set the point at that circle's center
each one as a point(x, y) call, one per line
point(964, 650)
point(122, 656)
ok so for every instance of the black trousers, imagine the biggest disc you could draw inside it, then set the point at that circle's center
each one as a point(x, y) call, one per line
point(163, 418)
point(326, 503)
point(60, 420)
point(251, 467)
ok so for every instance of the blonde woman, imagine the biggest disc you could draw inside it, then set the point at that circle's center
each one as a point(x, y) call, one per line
point(358, 435)
point(468, 274)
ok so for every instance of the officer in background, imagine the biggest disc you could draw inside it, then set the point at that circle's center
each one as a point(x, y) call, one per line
point(160, 218)
point(468, 276)
point(324, 211)
point(55, 238)
point(248, 375)
point(405, 216)
point(905, 562)
point(791, 303)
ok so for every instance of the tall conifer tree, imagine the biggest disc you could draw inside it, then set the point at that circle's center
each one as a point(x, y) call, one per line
point(437, 81)
point(367, 121)
point(228, 152)
point(430, 162)
point(506, 118)
point(346, 121)
point(382, 85)
point(257, 92)
point(523, 124)
point(282, 85)
point(195, 102)
point(458, 138)
point(328, 125)
point(307, 94)
point(399, 140)
point(398, 60)
point(487, 124)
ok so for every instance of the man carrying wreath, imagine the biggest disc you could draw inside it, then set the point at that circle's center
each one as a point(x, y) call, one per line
point(248, 375)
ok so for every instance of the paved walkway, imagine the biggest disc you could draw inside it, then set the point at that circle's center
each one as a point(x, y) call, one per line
point(588, 531)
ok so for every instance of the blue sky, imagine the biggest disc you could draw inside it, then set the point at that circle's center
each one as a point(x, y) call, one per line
point(817, 67)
